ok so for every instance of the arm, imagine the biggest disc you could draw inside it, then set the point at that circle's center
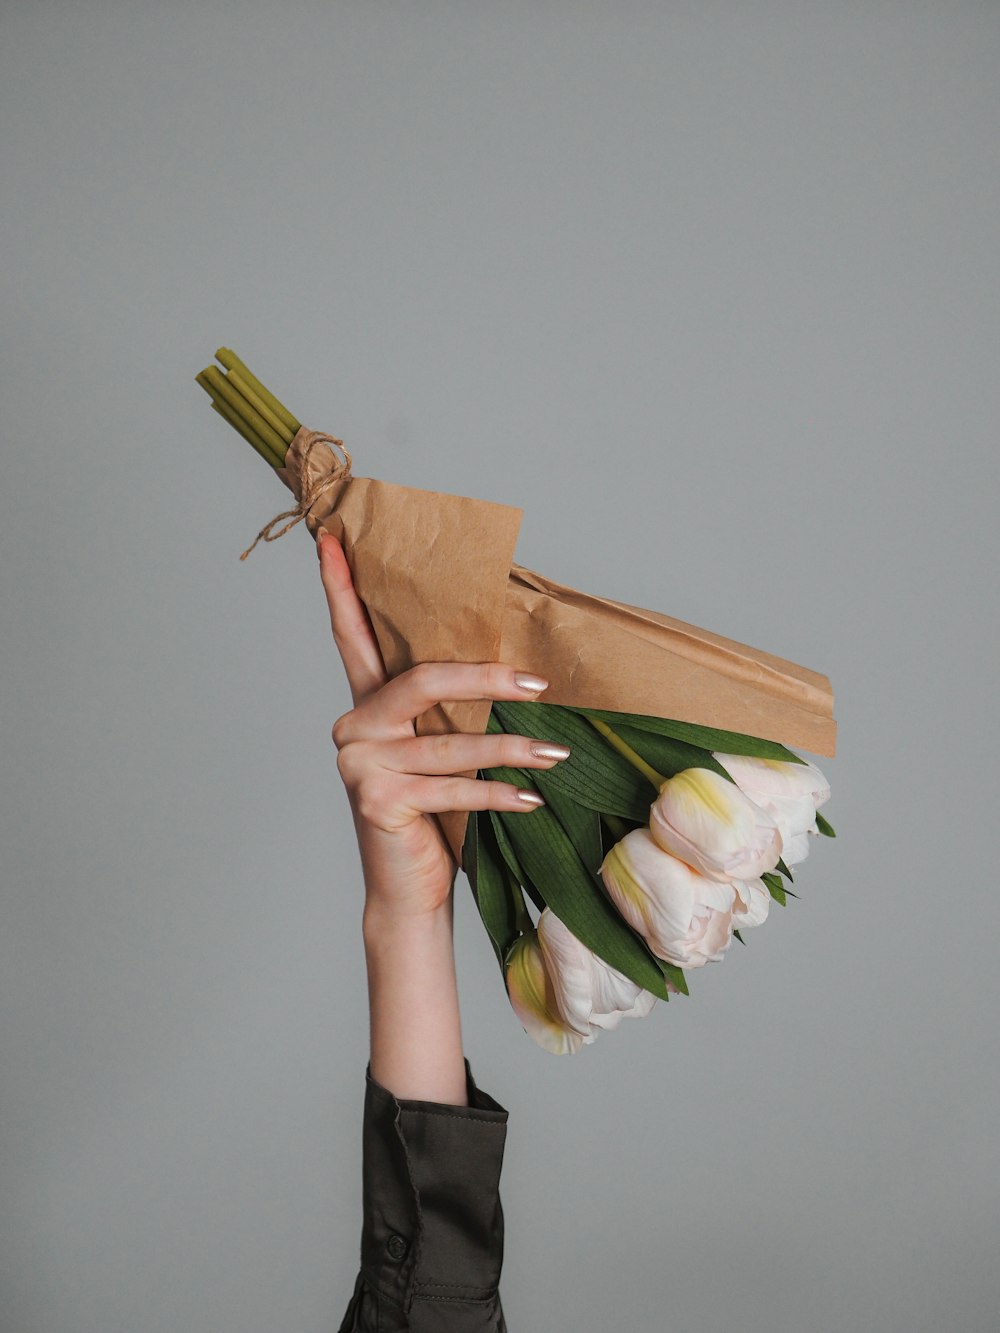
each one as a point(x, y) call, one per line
point(415, 1028)
point(396, 782)
point(416, 1033)
point(432, 1237)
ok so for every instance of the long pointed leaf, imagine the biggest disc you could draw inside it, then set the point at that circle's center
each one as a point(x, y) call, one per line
point(706, 738)
point(515, 869)
point(476, 871)
point(824, 826)
point(775, 887)
point(583, 826)
point(673, 973)
point(595, 775)
point(484, 868)
point(504, 844)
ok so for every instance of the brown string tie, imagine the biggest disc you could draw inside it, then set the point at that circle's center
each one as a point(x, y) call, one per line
point(323, 483)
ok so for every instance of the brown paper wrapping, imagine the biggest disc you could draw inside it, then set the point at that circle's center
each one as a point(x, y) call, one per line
point(437, 575)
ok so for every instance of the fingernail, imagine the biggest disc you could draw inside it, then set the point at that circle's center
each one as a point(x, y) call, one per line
point(551, 751)
point(530, 798)
point(319, 543)
point(531, 684)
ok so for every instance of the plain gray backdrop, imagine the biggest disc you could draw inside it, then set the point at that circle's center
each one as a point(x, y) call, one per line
point(710, 290)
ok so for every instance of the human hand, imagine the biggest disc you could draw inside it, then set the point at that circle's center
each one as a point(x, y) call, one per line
point(397, 781)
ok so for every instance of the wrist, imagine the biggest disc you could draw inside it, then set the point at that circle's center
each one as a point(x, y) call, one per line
point(383, 918)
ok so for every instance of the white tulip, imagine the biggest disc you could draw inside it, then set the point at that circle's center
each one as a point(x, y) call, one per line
point(684, 917)
point(589, 993)
point(790, 793)
point(708, 822)
point(752, 903)
point(795, 846)
point(532, 997)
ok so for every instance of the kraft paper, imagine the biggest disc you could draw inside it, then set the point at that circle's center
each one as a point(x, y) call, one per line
point(437, 575)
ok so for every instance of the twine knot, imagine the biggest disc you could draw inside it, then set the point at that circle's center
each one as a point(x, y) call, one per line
point(322, 483)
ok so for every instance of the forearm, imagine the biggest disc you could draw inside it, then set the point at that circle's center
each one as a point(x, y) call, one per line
point(416, 1034)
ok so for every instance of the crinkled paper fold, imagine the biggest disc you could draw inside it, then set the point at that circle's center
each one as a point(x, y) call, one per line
point(437, 575)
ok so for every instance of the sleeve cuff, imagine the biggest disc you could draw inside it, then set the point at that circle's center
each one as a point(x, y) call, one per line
point(433, 1222)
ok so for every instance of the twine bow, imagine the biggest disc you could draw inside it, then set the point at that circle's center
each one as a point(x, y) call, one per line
point(322, 483)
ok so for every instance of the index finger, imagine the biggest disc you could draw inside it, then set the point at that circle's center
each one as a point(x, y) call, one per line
point(352, 629)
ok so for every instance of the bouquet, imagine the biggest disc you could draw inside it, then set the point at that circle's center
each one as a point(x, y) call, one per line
point(676, 820)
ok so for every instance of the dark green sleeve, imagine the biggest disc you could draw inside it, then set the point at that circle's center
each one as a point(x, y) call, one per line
point(432, 1231)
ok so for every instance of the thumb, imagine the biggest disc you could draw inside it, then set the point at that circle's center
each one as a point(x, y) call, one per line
point(352, 630)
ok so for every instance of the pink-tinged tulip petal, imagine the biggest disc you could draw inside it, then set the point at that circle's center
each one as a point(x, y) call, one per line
point(790, 793)
point(795, 848)
point(616, 997)
point(708, 822)
point(776, 777)
point(533, 999)
point(752, 903)
point(685, 918)
point(590, 994)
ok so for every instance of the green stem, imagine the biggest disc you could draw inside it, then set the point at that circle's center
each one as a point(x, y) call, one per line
point(255, 401)
point(617, 826)
point(228, 358)
point(237, 422)
point(637, 761)
point(229, 415)
point(220, 388)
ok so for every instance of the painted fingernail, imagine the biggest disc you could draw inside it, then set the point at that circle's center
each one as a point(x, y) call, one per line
point(530, 798)
point(531, 684)
point(551, 751)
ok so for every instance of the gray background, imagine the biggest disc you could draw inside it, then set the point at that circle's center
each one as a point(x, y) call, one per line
point(710, 290)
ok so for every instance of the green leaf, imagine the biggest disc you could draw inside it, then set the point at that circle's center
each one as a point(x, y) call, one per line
point(785, 871)
point(666, 755)
point(673, 973)
point(506, 850)
point(577, 897)
point(514, 868)
point(582, 826)
point(824, 826)
point(738, 936)
point(706, 738)
point(470, 847)
point(484, 868)
point(594, 775)
point(775, 887)
point(532, 891)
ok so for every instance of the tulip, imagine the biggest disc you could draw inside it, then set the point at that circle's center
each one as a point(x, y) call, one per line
point(684, 917)
point(790, 793)
point(589, 993)
point(752, 903)
point(795, 846)
point(532, 996)
point(708, 822)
